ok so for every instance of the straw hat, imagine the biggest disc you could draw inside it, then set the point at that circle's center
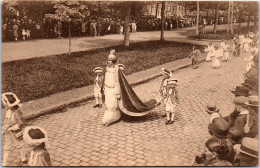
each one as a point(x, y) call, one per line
point(10, 99)
point(249, 146)
point(35, 135)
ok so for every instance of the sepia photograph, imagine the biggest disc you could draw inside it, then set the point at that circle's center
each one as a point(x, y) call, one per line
point(129, 83)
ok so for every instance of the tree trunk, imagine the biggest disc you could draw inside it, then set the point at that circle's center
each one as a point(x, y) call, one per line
point(127, 26)
point(248, 20)
point(241, 15)
point(69, 40)
point(228, 17)
point(255, 20)
point(99, 9)
point(162, 20)
point(216, 18)
point(156, 12)
point(232, 17)
point(198, 17)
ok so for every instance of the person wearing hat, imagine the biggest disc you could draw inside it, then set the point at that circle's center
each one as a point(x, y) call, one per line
point(212, 110)
point(251, 85)
point(112, 91)
point(215, 154)
point(219, 128)
point(241, 91)
point(172, 99)
point(217, 53)
point(166, 76)
point(247, 152)
point(194, 55)
point(98, 86)
point(36, 138)
point(12, 127)
point(252, 104)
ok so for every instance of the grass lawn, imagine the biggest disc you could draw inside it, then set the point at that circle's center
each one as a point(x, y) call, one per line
point(39, 77)
point(221, 34)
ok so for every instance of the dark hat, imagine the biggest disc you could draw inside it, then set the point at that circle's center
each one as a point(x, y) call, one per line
point(219, 127)
point(249, 146)
point(251, 83)
point(241, 91)
point(212, 143)
point(235, 135)
point(218, 146)
point(211, 107)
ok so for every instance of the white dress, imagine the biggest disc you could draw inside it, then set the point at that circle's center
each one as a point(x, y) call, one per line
point(249, 60)
point(215, 59)
point(225, 52)
point(112, 89)
point(210, 50)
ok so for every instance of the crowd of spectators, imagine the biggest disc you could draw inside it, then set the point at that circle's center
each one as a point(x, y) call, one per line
point(25, 28)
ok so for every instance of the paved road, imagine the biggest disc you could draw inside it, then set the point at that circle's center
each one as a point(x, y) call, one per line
point(77, 137)
point(45, 47)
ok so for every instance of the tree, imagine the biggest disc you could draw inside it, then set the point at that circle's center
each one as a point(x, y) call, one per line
point(216, 18)
point(69, 11)
point(228, 16)
point(232, 17)
point(162, 20)
point(198, 18)
point(127, 25)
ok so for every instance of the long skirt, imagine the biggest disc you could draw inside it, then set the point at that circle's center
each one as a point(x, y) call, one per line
point(215, 63)
point(209, 55)
point(112, 112)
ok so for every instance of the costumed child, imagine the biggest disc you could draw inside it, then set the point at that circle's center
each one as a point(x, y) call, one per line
point(249, 59)
point(215, 58)
point(172, 99)
point(36, 138)
point(166, 76)
point(210, 49)
point(12, 127)
point(98, 86)
point(24, 34)
point(225, 52)
point(194, 55)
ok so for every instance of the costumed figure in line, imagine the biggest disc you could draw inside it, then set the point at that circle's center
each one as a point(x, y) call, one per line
point(210, 49)
point(12, 127)
point(36, 138)
point(172, 99)
point(249, 59)
point(166, 76)
point(225, 52)
point(98, 86)
point(120, 97)
point(194, 55)
point(215, 58)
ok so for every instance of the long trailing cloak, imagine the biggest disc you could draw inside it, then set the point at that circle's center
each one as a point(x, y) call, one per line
point(130, 103)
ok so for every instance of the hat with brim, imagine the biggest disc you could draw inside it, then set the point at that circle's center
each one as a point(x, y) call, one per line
point(241, 91)
point(219, 127)
point(121, 66)
point(172, 81)
point(10, 99)
point(98, 70)
point(241, 100)
point(166, 72)
point(249, 146)
point(252, 101)
point(31, 141)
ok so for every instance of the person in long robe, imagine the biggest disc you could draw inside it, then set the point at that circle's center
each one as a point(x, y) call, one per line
point(210, 49)
point(120, 97)
point(111, 91)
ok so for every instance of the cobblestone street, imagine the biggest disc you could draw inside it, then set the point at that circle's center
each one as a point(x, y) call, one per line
point(77, 137)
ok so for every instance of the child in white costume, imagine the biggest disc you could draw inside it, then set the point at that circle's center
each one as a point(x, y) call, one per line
point(215, 58)
point(12, 127)
point(249, 59)
point(98, 86)
point(210, 49)
point(36, 138)
point(166, 76)
point(172, 99)
point(226, 52)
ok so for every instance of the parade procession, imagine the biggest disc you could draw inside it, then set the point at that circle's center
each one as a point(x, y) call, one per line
point(130, 83)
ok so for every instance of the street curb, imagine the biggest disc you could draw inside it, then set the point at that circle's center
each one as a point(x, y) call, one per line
point(65, 104)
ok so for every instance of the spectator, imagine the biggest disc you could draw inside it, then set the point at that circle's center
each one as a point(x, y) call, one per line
point(194, 55)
